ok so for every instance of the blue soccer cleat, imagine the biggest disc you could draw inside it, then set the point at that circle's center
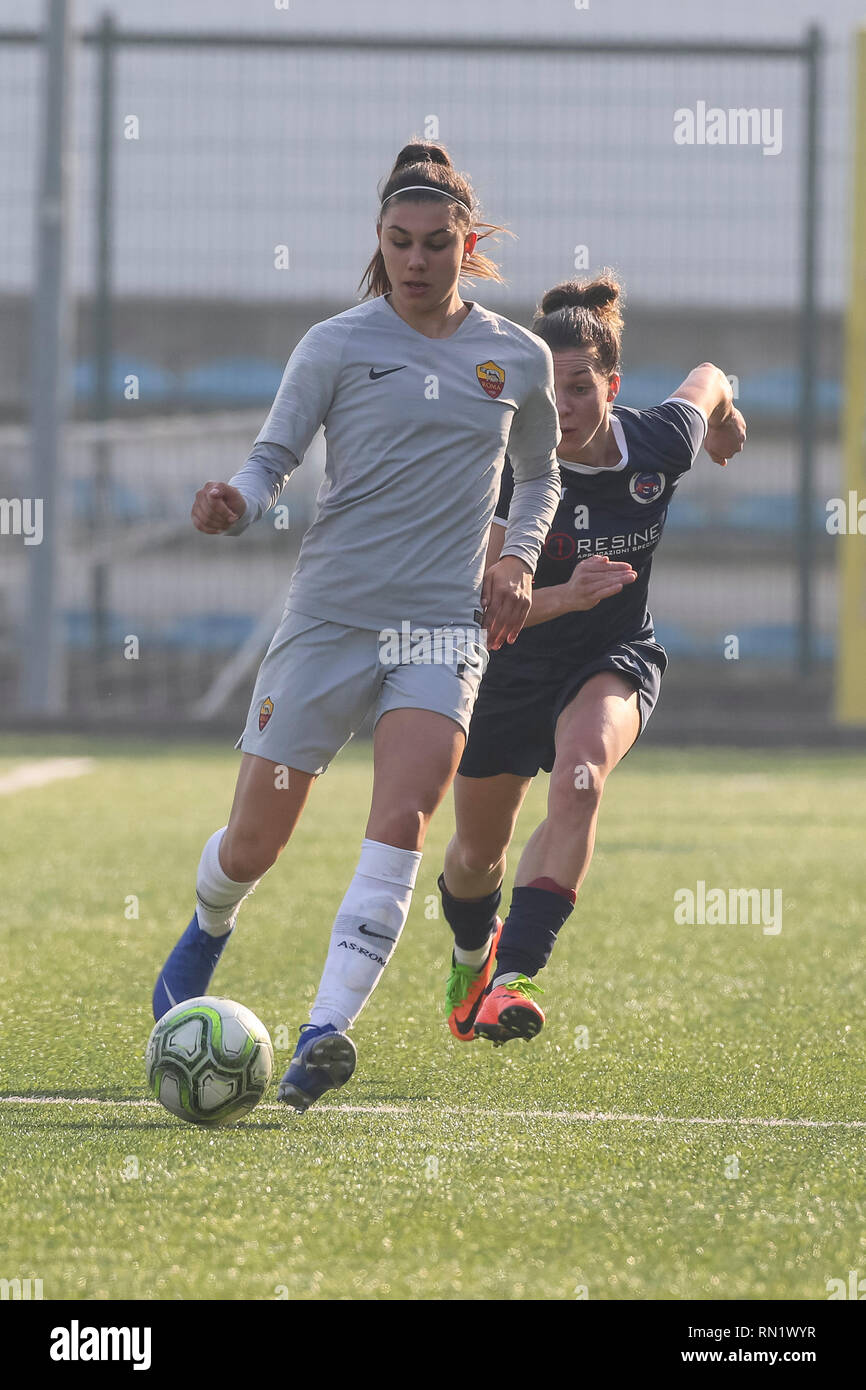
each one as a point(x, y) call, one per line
point(324, 1059)
point(189, 969)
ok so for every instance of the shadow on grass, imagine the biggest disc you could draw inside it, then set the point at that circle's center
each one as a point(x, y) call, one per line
point(377, 1098)
point(52, 1123)
point(95, 1094)
point(40, 1120)
point(104, 1097)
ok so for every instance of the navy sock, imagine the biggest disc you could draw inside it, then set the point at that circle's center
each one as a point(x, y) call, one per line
point(531, 927)
point(472, 920)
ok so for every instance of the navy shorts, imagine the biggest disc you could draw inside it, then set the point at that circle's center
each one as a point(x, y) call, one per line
point(514, 719)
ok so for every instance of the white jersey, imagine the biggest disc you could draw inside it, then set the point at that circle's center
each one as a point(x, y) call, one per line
point(416, 431)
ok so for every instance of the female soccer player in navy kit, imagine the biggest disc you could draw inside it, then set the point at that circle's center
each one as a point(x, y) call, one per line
point(575, 689)
point(420, 394)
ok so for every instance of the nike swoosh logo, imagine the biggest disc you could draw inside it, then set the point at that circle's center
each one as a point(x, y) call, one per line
point(375, 376)
point(378, 935)
point(466, 1025)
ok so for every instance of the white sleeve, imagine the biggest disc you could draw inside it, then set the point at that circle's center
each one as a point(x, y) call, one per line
point(532, 443)
point(307, 388)
point(261, 480)
point(535, 429)
point(533, 506)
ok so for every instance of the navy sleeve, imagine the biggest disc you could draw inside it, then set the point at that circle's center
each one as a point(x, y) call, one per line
point(675, 432)
point(506, 489)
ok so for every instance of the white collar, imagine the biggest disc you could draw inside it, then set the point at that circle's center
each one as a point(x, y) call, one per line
point(619, 436)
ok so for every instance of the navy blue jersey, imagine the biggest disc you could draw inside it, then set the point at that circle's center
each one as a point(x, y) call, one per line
point(618, 511)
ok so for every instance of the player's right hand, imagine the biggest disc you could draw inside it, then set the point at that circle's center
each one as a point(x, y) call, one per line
point(724, 440)
point(216, 507)
point(597, 578)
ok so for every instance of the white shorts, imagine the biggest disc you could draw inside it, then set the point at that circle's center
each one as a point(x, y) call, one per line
point(319, 680)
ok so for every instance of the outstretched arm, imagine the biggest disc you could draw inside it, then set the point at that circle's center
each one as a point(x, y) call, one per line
point(593, 579)
point(229, 508)
point(708, 388)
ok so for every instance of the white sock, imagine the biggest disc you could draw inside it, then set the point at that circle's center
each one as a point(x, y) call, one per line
point(507, 977)
point(365, 932)
point(218, 897)
point(474, 958)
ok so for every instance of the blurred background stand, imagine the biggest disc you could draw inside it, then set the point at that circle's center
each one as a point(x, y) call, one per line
point(222, 197)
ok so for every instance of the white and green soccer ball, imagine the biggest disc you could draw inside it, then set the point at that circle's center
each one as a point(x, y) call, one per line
point(209, 1060)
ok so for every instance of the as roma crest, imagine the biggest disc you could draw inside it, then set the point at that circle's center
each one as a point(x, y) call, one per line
point(265, 711)
point(492, 378)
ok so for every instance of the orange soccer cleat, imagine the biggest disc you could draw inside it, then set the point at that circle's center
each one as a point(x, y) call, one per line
point(465, 991)
point(509, 1011)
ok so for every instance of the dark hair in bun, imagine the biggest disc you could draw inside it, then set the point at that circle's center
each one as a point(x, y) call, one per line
point(423, 162)
point(584, 313)
point(419, 152)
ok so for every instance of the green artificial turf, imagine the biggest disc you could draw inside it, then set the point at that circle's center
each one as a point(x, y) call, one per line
point(572, 1165)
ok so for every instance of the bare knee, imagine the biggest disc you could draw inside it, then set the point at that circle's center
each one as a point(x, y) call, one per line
point(404, 827)
point(476, 857)
point(245, 857)
point(576, 787)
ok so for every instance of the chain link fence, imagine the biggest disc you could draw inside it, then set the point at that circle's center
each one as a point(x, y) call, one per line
point(224, 198)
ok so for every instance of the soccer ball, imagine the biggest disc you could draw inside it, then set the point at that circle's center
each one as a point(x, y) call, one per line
point(209, 1060)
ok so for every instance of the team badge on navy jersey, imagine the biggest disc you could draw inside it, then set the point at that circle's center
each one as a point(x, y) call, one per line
point(618, 512)
point(266, 709)
point(492, 378)
point(646, 487)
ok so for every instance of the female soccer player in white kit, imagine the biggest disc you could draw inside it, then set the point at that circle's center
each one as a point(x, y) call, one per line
point(420, 394)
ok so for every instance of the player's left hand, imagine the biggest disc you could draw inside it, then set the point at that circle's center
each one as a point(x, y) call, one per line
point(506, 599)
point(727, 439)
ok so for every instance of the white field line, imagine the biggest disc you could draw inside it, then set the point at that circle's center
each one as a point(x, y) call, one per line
point(431, 1110)
point(40, 773)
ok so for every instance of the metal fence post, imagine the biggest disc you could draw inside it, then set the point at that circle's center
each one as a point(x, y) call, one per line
point(43, 688)
point(851, 626)
point(809, 330)
point(103, 334)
